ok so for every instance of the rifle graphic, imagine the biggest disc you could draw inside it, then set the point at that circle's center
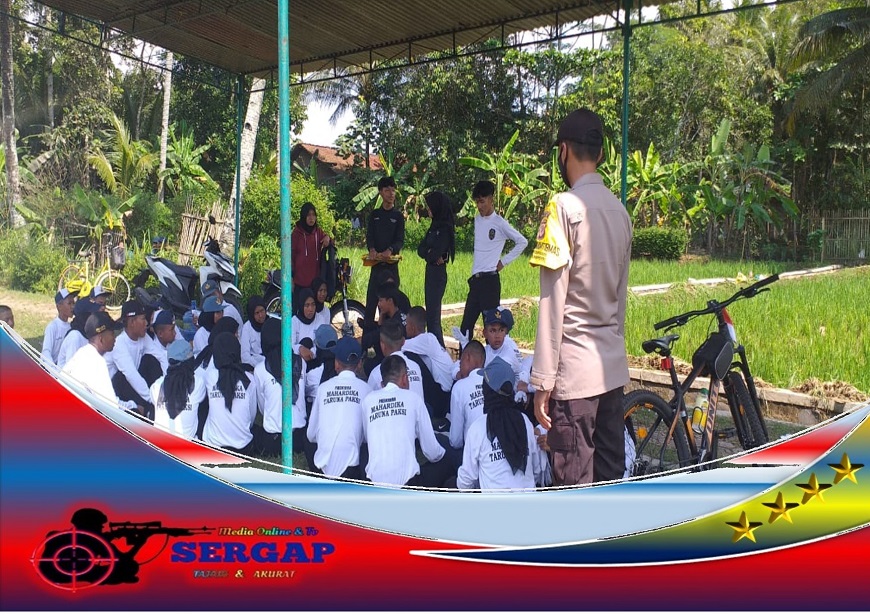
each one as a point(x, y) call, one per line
point(139, 531)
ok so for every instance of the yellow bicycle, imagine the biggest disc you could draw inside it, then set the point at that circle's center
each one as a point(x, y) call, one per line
point(78, 276)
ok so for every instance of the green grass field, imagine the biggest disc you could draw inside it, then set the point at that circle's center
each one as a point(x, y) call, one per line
point(815, 327)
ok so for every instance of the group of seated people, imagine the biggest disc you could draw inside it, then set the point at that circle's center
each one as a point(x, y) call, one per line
point(403, 413)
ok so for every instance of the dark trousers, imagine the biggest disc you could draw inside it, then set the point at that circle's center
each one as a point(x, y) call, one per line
point(150, 370)
point(433, 474)
point(379, 274)
point(266, 444)
point(484, 293)
point(433, 289)
point(587, 439)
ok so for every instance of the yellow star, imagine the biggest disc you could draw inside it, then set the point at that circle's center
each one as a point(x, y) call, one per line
point(846, 469)
point(780, 508)
point(813, 489)
point(744, 528)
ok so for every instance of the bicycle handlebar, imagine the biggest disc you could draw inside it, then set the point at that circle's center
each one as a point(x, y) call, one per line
point(714, 306)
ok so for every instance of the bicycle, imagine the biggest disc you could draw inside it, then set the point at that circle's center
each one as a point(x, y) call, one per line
point(77, 275)
point(663, 432)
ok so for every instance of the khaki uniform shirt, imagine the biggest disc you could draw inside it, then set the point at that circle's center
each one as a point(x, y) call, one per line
point(584, 246)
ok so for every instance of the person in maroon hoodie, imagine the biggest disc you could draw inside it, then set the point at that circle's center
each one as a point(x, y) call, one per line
point(307, 242)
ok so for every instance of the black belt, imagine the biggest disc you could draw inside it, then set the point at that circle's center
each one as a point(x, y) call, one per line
point(483, 274)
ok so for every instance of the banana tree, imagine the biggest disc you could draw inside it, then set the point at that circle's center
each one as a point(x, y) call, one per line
point(102, 213)
point(183, 174)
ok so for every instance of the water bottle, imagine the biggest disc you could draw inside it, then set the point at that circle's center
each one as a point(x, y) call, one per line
point(699, 412)
point(189, 329)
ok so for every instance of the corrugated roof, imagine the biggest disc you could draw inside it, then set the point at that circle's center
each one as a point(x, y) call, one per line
point(242, 35)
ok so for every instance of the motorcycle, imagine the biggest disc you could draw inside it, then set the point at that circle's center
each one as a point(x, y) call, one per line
point(219, 267)
point(345, 314)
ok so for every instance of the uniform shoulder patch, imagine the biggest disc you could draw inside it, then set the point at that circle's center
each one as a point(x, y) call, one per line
point(552, 250)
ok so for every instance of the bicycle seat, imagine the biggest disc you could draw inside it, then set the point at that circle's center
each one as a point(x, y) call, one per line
point(660, 345)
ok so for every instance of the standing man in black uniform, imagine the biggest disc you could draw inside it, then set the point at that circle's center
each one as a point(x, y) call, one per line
point(385, 237)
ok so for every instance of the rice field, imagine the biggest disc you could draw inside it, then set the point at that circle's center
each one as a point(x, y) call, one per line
point(814, 327)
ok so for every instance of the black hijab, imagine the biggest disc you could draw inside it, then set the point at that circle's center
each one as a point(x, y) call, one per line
point(505, 422)
point(270, 340)
point(253, 303)
point(442, 218)
point(207, 321)
point(315, 285)
point(301, 297)
point(224, 325)
point(228, 361)
point(177, 385)
point(303, 215)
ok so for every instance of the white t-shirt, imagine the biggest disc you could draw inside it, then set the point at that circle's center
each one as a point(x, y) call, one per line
point(466, 406)
point(509, 352)
point(200, 340)
point(70, 345)
point(154, 347)
point(490, 234)
point(186, 422)
point(252, 351)
point(270, 402)
point(322, 317)
point(415, 379)
point(225, 428)
point(435, 356)
point(231, 311)
point(89, 367)
point(301, 331)
point(336, 422)
point(126, 357)
point(55, 331)
point(393, 419)
point(484, 465)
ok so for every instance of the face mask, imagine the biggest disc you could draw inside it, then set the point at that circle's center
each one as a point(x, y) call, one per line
point(563, 168)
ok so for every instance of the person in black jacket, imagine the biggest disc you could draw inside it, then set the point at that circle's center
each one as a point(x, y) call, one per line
point(437, 249)
point(385, 236)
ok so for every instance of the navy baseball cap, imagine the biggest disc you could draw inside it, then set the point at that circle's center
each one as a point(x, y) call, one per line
point(325, 337)
point(348, 350)
point(497, 374)
point(209, 287)
point(179, 351)
point(213, 304)
point(63, 293)
point(132, 308)
point(499, 315)
point(99, 322)
point(85, 306)
point(164, 317)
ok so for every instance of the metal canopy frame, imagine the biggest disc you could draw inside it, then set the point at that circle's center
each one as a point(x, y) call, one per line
point(373, 55)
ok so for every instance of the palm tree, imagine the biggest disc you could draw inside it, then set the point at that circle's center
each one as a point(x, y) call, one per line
point(841, 36)
point(122, 163)
point(13, 183)
point(357, 93)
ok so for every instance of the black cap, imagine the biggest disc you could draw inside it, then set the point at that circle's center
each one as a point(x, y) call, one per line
point(99, 322)
point(132, 308)
point(582, 126)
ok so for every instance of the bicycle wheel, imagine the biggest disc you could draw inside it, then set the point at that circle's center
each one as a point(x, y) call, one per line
point(117, 286)
point(355, 312)
point(69, 275)
point(274, 305)
point(747, 418)
point(648, 418)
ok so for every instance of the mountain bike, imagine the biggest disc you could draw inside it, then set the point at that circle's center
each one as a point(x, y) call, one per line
point(664, 433)
point(79, 277)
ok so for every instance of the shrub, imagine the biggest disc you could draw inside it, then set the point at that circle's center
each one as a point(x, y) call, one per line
point(151, 217)
point(31, 263)
point(346, 236)
point(415, 231)
point(263, 256)
point(261, 211)
point(659, 243)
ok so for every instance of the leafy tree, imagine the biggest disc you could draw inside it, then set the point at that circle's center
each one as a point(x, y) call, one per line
point(122, 163)
point(184, 175)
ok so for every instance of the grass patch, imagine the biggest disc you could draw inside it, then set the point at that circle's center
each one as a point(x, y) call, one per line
point(816, 327)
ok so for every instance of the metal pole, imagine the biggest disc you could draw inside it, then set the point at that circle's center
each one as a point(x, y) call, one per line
point(287, 383)
point(240, 89)
point(626, 66)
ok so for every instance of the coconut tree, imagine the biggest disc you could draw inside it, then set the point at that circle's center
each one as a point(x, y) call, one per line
point(122, 163)
point(13, 183)
point(840, 37)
